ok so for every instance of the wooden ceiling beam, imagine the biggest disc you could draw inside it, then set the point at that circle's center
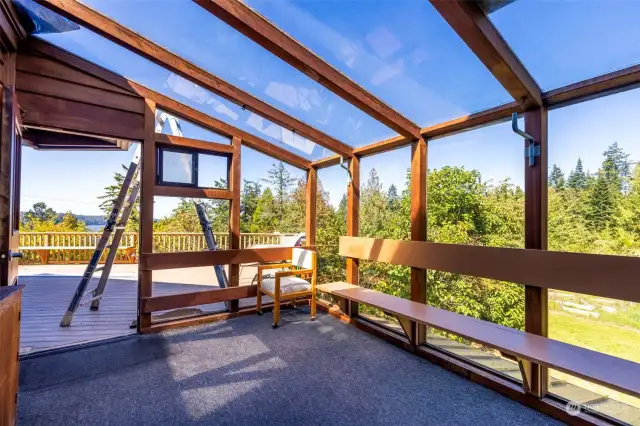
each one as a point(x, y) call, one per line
point(473, 26)
point(240, 16)
point(110, 29)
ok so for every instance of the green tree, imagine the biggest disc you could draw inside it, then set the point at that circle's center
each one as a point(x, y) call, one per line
point(601, 204)
point(111, 194)
point(248, 202)
point(281, 183)
point(373, 206)
point(556, 178)
point(71, 223)
point(616, 166)
point(577, 178)
point(265, 217)
point(41, 212)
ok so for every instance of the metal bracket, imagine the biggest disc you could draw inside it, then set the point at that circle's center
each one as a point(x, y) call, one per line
point(347, 169)
point(532, 150)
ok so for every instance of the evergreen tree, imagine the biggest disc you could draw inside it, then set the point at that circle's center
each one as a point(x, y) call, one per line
point(577, 178)
point(556, 178)
point(393, 199)
point(248, 203)
point(71, 223)
point(373, 206)
point(601, 204)
point(41, 212)
point(616, 166)
point(265, 217)
point(111, 193)
point(281, 182)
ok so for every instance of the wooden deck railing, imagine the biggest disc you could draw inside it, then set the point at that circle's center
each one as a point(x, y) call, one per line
point(77, 247)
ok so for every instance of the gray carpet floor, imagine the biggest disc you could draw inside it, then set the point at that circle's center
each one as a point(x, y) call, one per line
point(242, 372)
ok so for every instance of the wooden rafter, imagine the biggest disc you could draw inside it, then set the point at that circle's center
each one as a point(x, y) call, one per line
point(473, 26)
point(250, 23)
point(134, 42)
point(48, 50)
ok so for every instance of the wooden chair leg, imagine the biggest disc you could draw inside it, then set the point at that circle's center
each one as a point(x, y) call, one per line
point(276, 310)
point(259, 302)
point(313, 306)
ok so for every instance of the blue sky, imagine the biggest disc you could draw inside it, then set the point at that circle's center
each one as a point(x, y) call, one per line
point(402, 51)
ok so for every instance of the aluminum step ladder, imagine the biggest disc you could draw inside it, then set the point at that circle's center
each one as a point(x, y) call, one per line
point(122, 207)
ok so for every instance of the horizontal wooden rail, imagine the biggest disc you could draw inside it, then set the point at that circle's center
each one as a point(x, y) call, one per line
point(189, 192)
point(196, 144)
point(184, 300)
point(157, 261)
point(614, 277)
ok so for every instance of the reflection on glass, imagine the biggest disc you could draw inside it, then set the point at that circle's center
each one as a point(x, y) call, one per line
point(178, 126)
point(594, 188)
point(177, 167)
point(191, 32)
point(117, 59)
point(401, 51)
point(212, 171)
point(573, 41)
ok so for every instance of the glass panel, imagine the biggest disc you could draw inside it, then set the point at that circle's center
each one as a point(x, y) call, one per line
point(189, 31)
point(331, 207)
point(117, 59)
point(572, 41)
point(177, 167)
point(594, 207)
point(401, 51)
point(475, 197)
point(189, 130)
point(212, 171)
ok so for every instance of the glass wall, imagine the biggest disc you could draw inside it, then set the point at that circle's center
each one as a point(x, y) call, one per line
point(594, 207)
point(475, 197)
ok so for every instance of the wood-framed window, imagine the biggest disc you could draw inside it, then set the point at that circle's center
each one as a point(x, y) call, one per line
point(191, 168)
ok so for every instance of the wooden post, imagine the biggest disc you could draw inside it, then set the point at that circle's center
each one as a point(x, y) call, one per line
point(353, 225)
point(419, 227)
point(234, 215)
point(148, 180)
point(311, 218)
point(535, 218)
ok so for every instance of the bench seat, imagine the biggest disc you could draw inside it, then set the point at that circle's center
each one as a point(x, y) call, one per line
point(607, 370)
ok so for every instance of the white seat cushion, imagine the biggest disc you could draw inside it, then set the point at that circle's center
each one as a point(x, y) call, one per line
point(288, 285)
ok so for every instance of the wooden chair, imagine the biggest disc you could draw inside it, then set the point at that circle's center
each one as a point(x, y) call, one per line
point(299, 281)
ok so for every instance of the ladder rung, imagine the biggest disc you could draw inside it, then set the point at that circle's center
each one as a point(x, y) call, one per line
point(99, 268)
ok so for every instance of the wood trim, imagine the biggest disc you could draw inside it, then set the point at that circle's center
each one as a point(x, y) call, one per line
point(134, 42)
point(235, 182)
point(188, 192)
point(218, 126)
point(311, 215)
point(603, 85)
point(182, 142)
point(64, 114)
point(474, 27)
point(147, 182)
point(332, 160)
point(157, 261)
point(535, 224)
point(42, 139)
point(184, 300)
point(383, 146)
point(353, 217)
point(418, 230)
point(244, 19)
point(63, 89)
point(614, 277)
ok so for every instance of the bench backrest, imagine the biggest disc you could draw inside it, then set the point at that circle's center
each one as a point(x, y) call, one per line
point(616, 277)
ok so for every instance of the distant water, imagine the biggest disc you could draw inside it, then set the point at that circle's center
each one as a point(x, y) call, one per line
point(95, 228)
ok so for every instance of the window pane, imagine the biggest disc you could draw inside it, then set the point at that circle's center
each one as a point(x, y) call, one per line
point(191, 32)
point(594, 193)
point(572, 40)
point(402, 51)
point(177, 167)
point(109, 55)
point(212, 171)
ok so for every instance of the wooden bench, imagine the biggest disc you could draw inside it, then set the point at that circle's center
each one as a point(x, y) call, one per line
point(525, 348)
point(43, 251)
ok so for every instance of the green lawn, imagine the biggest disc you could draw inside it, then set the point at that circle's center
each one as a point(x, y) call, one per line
point(599, 336)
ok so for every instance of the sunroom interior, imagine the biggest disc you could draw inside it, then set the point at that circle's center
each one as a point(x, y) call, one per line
point(330, 89)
